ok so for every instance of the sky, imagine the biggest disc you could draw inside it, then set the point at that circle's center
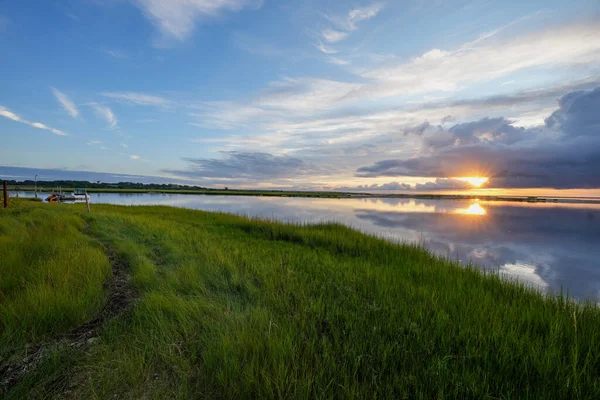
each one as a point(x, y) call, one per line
point(397, 95)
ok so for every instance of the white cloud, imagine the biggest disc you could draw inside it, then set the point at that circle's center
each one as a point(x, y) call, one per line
point(93, 142)
point(104, 148)
point(436, 70)
point(348, 136)
point(349, 21)
point(486, 59)
point(302, 95)
point(116, 54)
point(105, 113)
point(65, 102)
point(140, 99)
point(134, 157)
point(123, 145)
point(345, 25)
point(338, 61)
point(325, 49)
point(176, 18)
point(281, 100)
point(360, 14)
point(332, 36)
point(6, 113)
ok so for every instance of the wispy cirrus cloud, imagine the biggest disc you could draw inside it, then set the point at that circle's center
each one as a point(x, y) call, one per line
point(324, 49)
point(65, 102)
point(99, 144)
point(348, 23)
point(135, 157)
point(105, 113)
point(116, 53)
point(338, 61)
point(332, 36)
point(487, 58)
point(357, 15)
point(6, 113)
point(136, 98)
point(176, 18)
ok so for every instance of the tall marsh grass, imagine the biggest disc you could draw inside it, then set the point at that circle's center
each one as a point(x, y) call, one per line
point(232, 307)
point(51, 274)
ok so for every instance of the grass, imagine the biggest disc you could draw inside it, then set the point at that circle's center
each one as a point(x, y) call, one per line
point(231, 307)
point(51, 274)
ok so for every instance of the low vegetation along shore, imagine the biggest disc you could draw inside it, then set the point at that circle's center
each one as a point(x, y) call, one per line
point(159, 302)
point(131, 187)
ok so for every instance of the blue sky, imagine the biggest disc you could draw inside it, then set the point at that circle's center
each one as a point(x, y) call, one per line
point(303, 94)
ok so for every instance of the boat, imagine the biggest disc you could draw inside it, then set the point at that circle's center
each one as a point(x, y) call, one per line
point(78, 195)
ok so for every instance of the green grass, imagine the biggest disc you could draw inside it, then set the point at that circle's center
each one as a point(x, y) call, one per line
point(51, 274)
point(231, 307)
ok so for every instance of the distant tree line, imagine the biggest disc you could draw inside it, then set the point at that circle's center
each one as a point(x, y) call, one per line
point(105, 185)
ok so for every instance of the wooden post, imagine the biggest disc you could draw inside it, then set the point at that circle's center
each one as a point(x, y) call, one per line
point(5, 190)
point(87, 201)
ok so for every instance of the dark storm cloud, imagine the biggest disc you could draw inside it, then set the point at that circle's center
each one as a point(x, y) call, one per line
point(509, 156)
point(245, 166)
point(498, 130)
point(443, 184)
point(385, 186)
point(438, 184)
point(417, 130)
point(578, 114)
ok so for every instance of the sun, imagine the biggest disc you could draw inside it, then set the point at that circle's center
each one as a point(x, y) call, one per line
point(476, 181)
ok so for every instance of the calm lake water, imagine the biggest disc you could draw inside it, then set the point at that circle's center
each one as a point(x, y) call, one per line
point(549, 246)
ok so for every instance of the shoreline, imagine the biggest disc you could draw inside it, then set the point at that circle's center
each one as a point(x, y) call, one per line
point(331, 195)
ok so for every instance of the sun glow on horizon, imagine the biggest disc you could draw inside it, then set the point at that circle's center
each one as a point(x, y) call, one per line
point(476, 181)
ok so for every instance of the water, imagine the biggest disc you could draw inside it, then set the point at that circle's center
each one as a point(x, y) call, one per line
point(549, 246)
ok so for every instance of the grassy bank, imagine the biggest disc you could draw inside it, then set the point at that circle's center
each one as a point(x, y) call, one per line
point(227, 307)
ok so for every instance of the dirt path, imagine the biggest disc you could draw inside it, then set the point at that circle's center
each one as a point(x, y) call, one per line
point(120, 296)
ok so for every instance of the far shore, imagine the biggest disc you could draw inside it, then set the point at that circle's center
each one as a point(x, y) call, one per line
point(324, 194)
